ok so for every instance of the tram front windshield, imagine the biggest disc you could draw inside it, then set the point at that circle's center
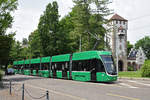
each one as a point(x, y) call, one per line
point(109, 64)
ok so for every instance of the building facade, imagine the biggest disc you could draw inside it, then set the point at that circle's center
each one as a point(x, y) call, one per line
point(136, 58)
point(118, 40)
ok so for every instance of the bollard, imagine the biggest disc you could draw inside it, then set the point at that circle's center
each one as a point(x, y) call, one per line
point(47, 95)
point(10, 87)
point(23, 91)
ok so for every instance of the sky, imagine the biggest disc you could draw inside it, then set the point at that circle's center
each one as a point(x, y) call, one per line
point(137, 12)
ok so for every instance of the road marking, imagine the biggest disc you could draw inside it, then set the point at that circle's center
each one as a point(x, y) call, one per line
point(127, 85)
point(116, 95)
point(56, 92)
point(139, 83)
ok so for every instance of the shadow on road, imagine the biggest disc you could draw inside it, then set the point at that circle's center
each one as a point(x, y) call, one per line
point(115, 82)
point(20, 78)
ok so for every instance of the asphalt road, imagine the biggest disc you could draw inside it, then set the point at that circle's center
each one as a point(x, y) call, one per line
point(60, 89)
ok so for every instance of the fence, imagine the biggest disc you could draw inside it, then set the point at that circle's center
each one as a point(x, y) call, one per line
point(24, 90)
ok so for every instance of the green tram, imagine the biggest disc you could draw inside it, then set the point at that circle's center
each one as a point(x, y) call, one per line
point(83, 66)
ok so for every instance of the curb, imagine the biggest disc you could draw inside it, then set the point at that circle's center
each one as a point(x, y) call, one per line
point(133, 78)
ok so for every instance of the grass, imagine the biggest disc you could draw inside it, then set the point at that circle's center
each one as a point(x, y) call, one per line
point(136, 74)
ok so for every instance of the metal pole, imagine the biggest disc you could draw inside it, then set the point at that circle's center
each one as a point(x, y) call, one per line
point(47, 95)
point(117, 47)
point(117, 64)
point(10, 87)
point(23, 91)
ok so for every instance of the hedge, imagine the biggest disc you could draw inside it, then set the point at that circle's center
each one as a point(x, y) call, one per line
point(145, 70)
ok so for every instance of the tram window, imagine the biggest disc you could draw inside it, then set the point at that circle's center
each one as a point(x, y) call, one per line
point(88, 65)
point(45, 66)
point(100, 66)
point(82, 65)
point(55, 66)
point(61, 65)
point(92, 65)
point(35, 66)
point(26, 66)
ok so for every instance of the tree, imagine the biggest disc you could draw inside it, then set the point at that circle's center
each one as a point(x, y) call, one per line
point(129, 46)
point(24, 41)
point(6, 7)
point(66, 45)
point(35, 49)
point(80, 16)
point(145, 44)
point(59, 37)
point(89, 24)
point(16, 51)
point(5, 46)
point(48, 30)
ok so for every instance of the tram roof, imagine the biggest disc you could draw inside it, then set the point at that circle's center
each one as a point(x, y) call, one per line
point(65, 57)
point(27, 61)
point(61, 58)
point(45, 59)
point(89, 55)
point(15, 62)
point(35, 61)
point(20, 62)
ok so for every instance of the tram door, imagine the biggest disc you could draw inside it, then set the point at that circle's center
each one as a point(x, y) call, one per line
point(32, 66)
point(64, 70)
point(54, 69)
point(93, 69)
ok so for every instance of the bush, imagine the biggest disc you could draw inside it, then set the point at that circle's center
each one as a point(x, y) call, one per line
point(145, 70)
point(130, 68)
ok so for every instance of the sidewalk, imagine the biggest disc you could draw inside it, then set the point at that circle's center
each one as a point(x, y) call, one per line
point(4, 95)
point(29, 93)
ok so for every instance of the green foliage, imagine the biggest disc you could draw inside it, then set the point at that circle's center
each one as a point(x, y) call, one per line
point(88, 25)
point(16, 50)
point(55, 37)
point(5, 46)
point(145, 44)
point(24, 41)
point(65, 43)
point(80, 16)
point(129, 46)
point(35, 49)
point(145, 70)
point(130, 68)
point(48, 30)
point(6, 7)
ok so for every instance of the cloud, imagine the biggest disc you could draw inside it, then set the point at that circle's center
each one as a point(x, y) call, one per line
point(136, 11)
point(26, 18)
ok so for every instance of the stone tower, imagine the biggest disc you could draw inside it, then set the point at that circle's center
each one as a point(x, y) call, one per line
point(118, 40)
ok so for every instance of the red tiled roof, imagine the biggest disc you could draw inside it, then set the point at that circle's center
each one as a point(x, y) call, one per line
point(117, 17)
